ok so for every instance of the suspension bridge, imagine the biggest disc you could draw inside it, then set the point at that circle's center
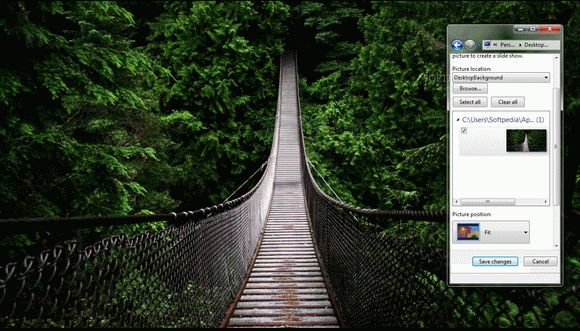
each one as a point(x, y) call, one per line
point(284, 254)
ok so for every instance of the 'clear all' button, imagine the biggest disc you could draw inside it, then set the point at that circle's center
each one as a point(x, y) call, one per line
point(508, 101)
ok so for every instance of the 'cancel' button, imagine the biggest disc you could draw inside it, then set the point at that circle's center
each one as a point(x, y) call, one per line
point(540, 261)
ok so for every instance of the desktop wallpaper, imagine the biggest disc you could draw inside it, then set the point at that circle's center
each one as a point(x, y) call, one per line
point(114, 108)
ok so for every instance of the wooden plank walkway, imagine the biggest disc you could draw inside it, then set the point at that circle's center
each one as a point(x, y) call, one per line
point(286, 287)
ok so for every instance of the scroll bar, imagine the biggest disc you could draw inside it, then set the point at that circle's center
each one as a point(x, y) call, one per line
point(556, 133)
point(556, 122)
point(556, 166)
point(557, 110)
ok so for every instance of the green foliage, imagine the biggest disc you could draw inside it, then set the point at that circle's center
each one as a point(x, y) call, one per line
point(376, 122)
point(222, 59)
point(383, 126)
point(92, 125)
point(77, 125)
point(331, 25)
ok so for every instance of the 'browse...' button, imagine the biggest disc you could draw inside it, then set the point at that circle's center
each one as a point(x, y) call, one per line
point(494, 261)
point(470, 102)
point(470, 88)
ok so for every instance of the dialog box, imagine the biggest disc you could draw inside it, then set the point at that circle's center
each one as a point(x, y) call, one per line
point(504, 106)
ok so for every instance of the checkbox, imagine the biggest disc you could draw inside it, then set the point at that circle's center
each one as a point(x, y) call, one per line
point(464, 130)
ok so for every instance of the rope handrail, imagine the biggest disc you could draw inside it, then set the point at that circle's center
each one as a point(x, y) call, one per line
point(24, 225)
point(425, 215)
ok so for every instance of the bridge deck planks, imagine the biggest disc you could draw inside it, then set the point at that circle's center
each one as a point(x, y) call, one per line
point(286, 287)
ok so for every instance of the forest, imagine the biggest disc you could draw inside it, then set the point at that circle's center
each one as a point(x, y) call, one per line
point(136, 108)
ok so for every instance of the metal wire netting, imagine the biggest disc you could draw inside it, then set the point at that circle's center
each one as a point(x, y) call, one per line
point(182, 276)
point(394, 275)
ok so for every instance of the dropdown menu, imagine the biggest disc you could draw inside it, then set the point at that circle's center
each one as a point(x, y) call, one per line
point(502, 77)
point(497, 232)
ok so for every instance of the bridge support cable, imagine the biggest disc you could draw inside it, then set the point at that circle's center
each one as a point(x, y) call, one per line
point(327, 185)
point(323, 180)
point(246, 181)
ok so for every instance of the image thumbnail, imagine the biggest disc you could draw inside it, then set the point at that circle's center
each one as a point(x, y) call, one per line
point(525, 140)
point(468, 231)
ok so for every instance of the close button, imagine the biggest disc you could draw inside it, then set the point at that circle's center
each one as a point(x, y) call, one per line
point(540, 261)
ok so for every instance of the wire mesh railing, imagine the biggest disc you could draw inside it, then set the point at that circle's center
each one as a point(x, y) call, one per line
point(182, 276)
point(388, 268)
point(395, 276)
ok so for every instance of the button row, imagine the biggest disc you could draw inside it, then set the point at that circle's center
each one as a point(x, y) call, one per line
point(513, 261)
point(495, 101)
point(533, 28)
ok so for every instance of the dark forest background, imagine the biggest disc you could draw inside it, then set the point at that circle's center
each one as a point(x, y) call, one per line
point(130, 107)
point(114, 108)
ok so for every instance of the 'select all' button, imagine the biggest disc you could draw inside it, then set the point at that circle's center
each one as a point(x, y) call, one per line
point(470, 102)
